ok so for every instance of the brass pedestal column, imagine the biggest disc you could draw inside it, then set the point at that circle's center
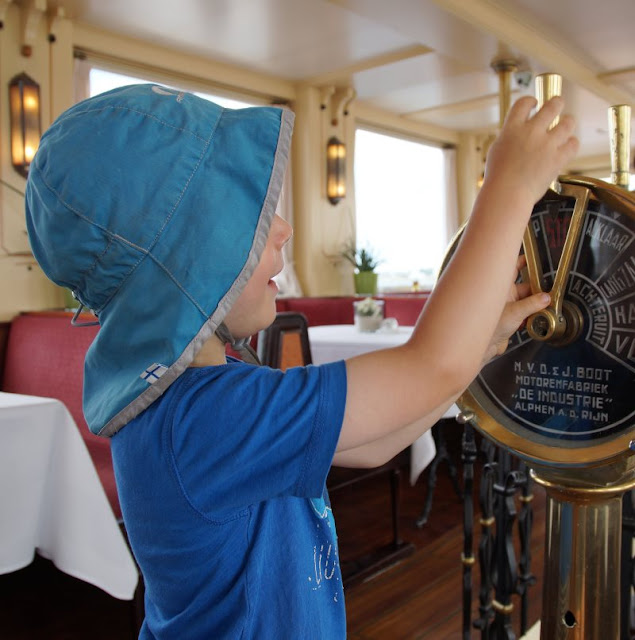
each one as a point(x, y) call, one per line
point(581, 585)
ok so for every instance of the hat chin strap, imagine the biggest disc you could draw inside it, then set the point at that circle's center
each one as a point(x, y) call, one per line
point(242, 346)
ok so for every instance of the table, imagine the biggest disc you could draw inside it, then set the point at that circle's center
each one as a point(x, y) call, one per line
point(341, 341)
point(52, 501)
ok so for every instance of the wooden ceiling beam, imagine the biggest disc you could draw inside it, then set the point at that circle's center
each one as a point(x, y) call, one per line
point(344, 73)
point(462, 106)
point(534, 41)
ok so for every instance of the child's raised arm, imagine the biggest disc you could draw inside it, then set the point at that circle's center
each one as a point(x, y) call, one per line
point(463, 321)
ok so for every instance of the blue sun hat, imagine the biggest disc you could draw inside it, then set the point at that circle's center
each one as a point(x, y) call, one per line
point(153, 206)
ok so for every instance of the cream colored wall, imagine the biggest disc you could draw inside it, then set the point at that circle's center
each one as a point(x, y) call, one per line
point(469, 166)
point(321, 229)
point(23, 286)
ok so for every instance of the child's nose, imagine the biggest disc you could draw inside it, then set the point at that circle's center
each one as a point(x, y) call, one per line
point(284, 230)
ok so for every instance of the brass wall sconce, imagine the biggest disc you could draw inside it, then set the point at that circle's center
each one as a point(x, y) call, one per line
point(24, 110)
point(335, 170)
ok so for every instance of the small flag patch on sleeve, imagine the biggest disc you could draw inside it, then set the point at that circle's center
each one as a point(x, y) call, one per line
point(153, 372)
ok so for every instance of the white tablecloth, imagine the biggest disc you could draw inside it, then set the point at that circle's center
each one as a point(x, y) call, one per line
point(52, 501)
point(341, 341)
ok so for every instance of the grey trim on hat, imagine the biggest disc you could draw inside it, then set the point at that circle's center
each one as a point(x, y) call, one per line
point(156, 390)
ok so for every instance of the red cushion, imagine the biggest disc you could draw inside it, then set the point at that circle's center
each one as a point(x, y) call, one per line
point(405, 308)
point(326, 310)
point(339, 309)
point(45, 357)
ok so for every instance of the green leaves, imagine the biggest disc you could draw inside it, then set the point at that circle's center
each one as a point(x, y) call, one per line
point(361, 259)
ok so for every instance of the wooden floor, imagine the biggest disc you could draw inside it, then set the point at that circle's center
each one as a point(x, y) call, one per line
point(421, 597)
point(418, 598)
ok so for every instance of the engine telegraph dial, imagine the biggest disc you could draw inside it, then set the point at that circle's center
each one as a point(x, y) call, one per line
point(564, 391)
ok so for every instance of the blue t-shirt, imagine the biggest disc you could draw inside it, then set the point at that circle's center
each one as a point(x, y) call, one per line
point(222, 487)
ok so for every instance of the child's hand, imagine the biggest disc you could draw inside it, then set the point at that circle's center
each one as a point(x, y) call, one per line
point(519, 307)
point(527, 156)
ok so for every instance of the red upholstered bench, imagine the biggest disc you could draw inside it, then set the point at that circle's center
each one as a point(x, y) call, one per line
point(339, 309)
point(321, 310)
point(406, 308)
point(45, 357)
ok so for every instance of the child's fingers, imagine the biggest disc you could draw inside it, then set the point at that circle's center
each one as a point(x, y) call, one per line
point(521, 262)
point(550, 110)
point(563, 131)
point(523, 289)
point(570, 148)
point(524, 307)
point(521, 109)
point(565, 126)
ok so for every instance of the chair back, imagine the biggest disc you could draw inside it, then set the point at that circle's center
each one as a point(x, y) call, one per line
point(285, 343)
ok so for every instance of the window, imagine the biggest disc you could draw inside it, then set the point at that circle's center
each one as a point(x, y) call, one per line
point(101, 80)
point(401, 202)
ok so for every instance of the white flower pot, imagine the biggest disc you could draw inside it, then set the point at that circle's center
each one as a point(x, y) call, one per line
point(368, 324)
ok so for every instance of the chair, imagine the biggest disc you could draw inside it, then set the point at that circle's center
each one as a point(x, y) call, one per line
point(286, 344)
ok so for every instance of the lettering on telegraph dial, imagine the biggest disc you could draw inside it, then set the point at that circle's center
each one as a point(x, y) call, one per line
point(574, 392)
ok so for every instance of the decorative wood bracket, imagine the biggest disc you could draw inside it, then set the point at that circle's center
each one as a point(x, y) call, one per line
point(32, 13)
point(338, 100)
point(4, 5)
point(54, 22)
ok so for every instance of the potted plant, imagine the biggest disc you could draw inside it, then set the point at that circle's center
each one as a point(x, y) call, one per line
point(365, 264)
point(369, 314)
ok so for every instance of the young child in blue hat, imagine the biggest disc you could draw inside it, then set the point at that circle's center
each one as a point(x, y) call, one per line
point(157, 208)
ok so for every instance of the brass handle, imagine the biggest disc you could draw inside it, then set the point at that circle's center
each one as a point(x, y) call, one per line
point(581, 195)
point(534, 269)
point(561, 322)
point(547, 86)
point(551, 324)
point(620, 130)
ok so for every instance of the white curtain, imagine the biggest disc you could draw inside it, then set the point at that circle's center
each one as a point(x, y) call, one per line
point(451, 195)
point(81, 81)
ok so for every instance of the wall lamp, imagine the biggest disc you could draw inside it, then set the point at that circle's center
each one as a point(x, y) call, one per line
point(24, 109)
point(335, 170)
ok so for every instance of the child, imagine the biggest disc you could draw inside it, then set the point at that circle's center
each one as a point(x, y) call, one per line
point(157, 209)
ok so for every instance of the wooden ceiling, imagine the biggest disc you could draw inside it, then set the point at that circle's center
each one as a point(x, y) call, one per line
point(425, 60)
